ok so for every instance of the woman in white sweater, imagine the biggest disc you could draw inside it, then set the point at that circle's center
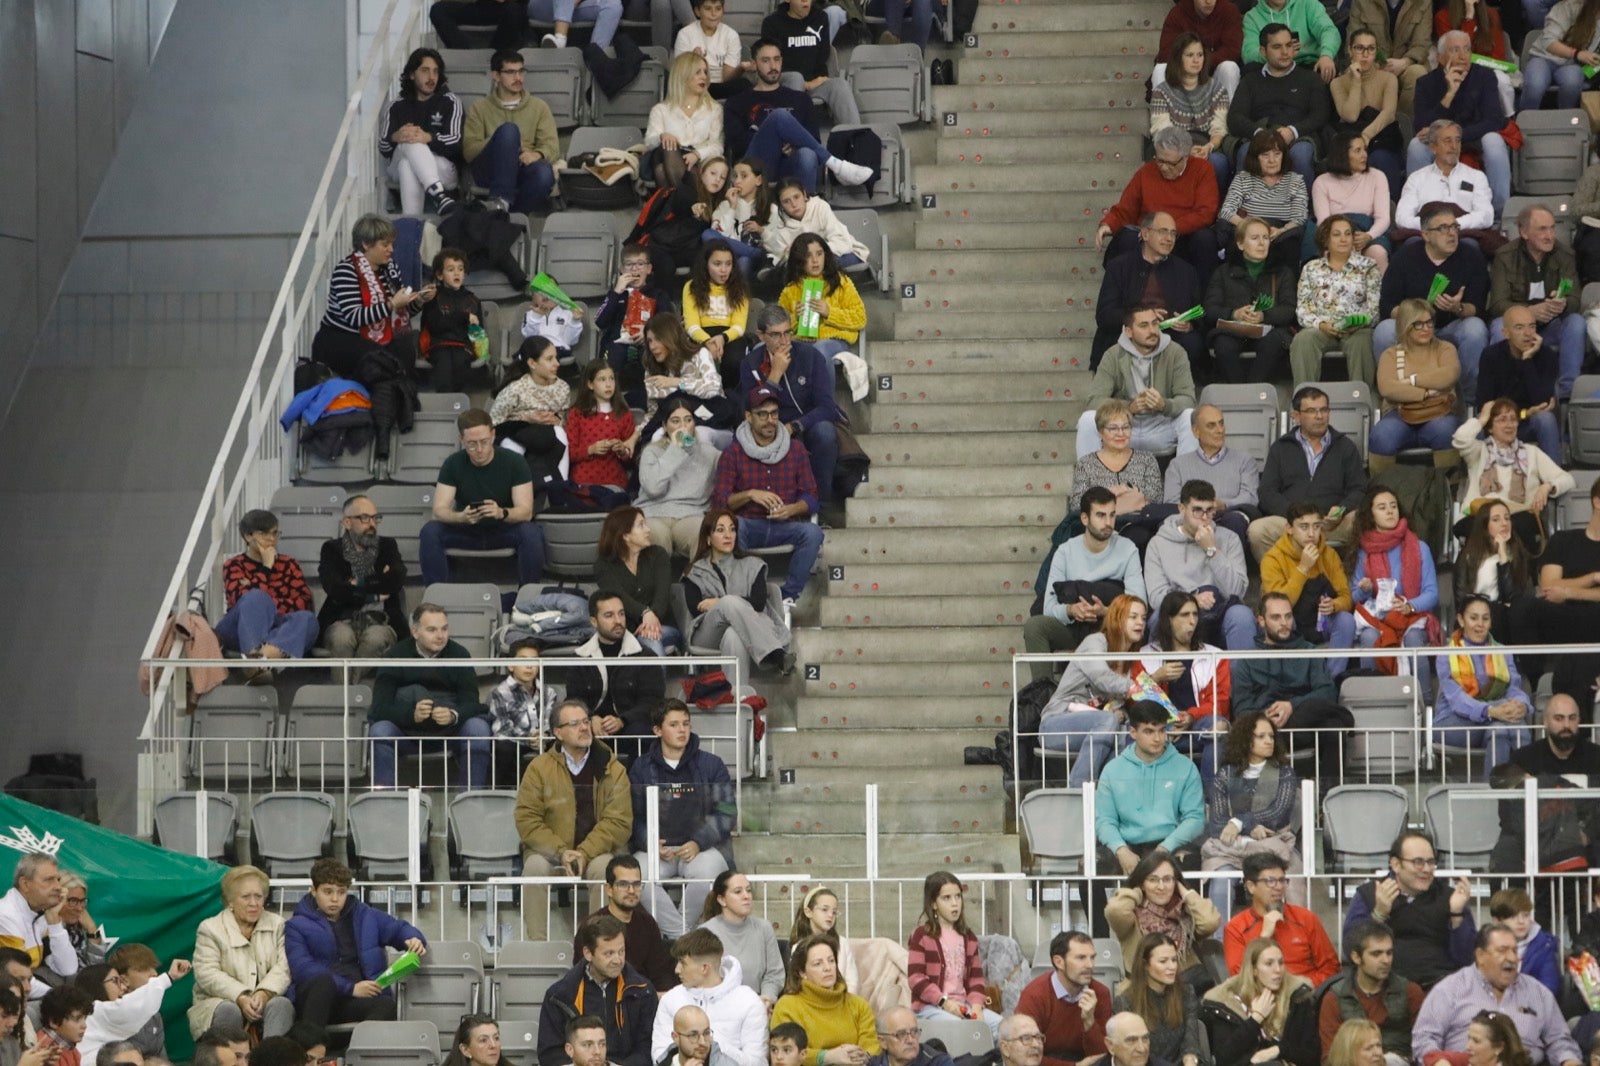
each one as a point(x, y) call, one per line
point(686, 127)
point(1501, 467)
point(798, 213)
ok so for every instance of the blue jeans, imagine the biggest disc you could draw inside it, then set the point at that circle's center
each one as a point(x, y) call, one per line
point(471, 750)
point(1538, 75)
point(1341, 634)
point(1469, 335)
point(1572, 339)
point(1496, 164)
point(1238, 628)
point(804, 163)
point(670, 638)
point(525, 188)
point(1076, 732)
point(1391, 435)
point(806, 537)
point(1544, 430)
point(1534, 12)
point(1362, 223)
point(822, 442)
point(526, 537)
point(894, 19)
point(605, 14)
point(1499, 738)
point(1302, 160)
point(254, 620)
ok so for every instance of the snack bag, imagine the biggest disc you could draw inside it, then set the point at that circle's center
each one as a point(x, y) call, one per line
point(808, 324)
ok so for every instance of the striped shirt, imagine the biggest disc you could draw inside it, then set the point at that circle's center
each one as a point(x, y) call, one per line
point(1284, 203)
point(346, 310)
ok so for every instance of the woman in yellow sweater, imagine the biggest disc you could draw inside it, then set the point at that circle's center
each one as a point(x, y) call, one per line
point(1303, 566)
point(716, 305)
point(843, 315)
point(840, 1028)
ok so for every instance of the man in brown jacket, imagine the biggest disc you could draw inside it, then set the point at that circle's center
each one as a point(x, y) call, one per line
point(574, 811)
point(1405, 35)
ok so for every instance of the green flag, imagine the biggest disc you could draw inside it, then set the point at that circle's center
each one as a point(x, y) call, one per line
point(137, 891)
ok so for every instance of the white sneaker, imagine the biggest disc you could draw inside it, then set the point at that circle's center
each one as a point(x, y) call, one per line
point(553, 40)
point(788, 611)
point(847, 172)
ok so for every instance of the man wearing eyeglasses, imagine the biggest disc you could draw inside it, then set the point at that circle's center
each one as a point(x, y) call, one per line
point(1492, 985)
point(363, 576)
point(1307, 951)
point(1150, 274)
point(1021, 1043)
point(900, 1035)
point(269, 603)
point(1433, 929)
point(692, 1042)
point(483, 500)
point(1312, 461)
point(801, 379)
point(1174, 182)
point(1455, 311)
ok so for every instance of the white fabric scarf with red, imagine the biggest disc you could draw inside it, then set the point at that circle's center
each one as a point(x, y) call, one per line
point(374, 292)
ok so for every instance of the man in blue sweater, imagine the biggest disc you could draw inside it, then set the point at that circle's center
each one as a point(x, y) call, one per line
point(1098, 554)
point(1149, 797)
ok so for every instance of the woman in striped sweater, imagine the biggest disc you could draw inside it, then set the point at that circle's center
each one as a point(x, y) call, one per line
point(1268, 190)
point(1195, 102)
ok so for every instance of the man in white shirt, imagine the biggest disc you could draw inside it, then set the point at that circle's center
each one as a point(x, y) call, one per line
point(1446, 179)
point(30, 919)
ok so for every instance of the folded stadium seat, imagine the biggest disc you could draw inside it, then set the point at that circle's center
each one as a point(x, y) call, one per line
point(962, 1037)
point(519, 1038)
point(417, 456)
point(1252, 415)
point(578, 189)
point(1052, 824)
point(405, 509)
point(291, 830)
point(178, 814)
point(231, 734)
point(524, 970)
point(893, 185)
point(321, 748)
point(394, 1044)
point(307, 516)
point(865, 227)
point(379, 843)
point(447, 986)
point(1384, 741)
point(1572, 510)
point(1583, 421)
point(1555, 150)
point(745, 16)
point(1464, 820)
point(483, 839)
point(580, 252)
point(890, 83)
point(474, 611)
point(1360, 822)
point(570, 543)
point(1559, 206)
point(631, 106)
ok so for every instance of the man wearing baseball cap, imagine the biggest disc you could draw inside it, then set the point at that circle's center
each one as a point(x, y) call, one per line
point(765, 479)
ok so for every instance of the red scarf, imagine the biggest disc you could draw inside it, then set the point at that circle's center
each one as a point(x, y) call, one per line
point(373, 291)
point(1377, 545)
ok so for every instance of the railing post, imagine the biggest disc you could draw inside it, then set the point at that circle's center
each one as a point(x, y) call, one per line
point(652, 834)
point(1530, 826)
point(1308, 831)
point(1090, 856)
point(202, 826)
point(413, 836)
point(871, 798)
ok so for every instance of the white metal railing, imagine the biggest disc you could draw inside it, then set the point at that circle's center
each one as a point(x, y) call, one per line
point(255, 456)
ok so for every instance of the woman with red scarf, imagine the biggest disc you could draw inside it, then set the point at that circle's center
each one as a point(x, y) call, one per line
point(1482, 703)
point(369, 303)
point(1395, 586)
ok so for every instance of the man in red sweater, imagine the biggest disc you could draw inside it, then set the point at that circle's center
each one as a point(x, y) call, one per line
point(1182, 185)
point(1306, 948)
point(1220, 27)
point(1070, 1006)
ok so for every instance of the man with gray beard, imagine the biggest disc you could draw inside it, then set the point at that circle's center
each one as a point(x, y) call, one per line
point(364, 578)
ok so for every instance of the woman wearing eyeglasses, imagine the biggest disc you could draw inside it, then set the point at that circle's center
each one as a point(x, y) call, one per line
point(1133, 477)
point(81, 928)
point(1155, 899)
point(241, 969)
point(1417, 378)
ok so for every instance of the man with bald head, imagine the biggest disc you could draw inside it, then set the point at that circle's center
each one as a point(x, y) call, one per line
point(1234, 473)
point(1128, 1041)
point(692, 1042)
point(1525, 367)
point(901, 1038)
point(1528, 272)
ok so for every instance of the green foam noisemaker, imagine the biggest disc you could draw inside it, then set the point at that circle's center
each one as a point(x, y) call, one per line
point(1564, 289)
point(1263, 302)
point(1355, 321)
point(545, 284)
point(1505, 66)
point(1197, 311)
point(400, 968)
point(1436, 290)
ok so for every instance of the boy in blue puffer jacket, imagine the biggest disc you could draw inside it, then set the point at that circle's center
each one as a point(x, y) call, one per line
point(335, 946)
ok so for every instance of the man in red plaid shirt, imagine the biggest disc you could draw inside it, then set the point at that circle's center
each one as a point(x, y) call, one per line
point(765, 479)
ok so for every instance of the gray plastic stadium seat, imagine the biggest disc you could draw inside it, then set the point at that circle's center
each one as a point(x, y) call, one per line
point(1384, 742)
point(523, 971)
point(893, 185)
point(474, 611)
point(176, 818)
point(960, 1036)
point(1052, 824)
point(1555, 149)
point(291, 830)
point(405, 509)
point(519, 1040)
point(394, 1044)
point(1108, 960)
point(379, 841)
point(559, 78)
point(865, 227)
point(580, 251)
point(890, 82)
point(417, 456)
point(448, 985)
point(631, 106)
point(745, 17)
point(1252, 416)
point(1559, 206)
point(321, 748)
point(1583, 421)
point(483, 837)
point(232, 731)
point(570, 543)
point(1464, 821)
point(1350, 409)
point(1360, 822)
point(1573, 510)
point(307, 516)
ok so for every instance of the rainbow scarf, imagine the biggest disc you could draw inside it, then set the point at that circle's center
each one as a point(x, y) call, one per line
point(1496, 667)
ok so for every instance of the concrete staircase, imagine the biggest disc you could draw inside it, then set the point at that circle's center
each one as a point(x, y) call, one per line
point(971, 439)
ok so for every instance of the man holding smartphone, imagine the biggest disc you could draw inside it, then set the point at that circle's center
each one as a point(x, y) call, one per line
point(483, 500)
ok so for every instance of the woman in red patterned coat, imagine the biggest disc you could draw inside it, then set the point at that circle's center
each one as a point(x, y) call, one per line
point(269, 603)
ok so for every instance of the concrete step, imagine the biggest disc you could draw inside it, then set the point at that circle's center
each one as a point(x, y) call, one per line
point(1065, 296)
point(825, 715)
point(1038, 511)
point(985, 207)
point(1125, 150)
point(1017, 387)
point(1070, 238)
point(874, 546)
point(900, 854)
point(1035, 17)
point(903, 680)
point(896, 450)
point(979, 100)
point(1093, 46)
point(952, 264)
point(939, 178)
point(847, 613)
point(866, 750)
point(992, 326)
point(908, 644)
point(893, 417)
point(1095, 121)
point(942, 482)
point(977, 356)
point(994, 69)
point(814, 809)
point(877, 583)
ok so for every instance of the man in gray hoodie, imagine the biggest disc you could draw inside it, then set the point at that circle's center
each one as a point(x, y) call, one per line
point(1191, 553)
point(1152, 374)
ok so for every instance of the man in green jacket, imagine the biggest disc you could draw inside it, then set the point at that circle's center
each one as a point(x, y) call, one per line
point(1149, 797)
point(425, 700)
point(509, 139)
point(1150, 372)
point(1307, 20)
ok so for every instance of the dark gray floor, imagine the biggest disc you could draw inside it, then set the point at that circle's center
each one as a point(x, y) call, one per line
point(123, 404)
